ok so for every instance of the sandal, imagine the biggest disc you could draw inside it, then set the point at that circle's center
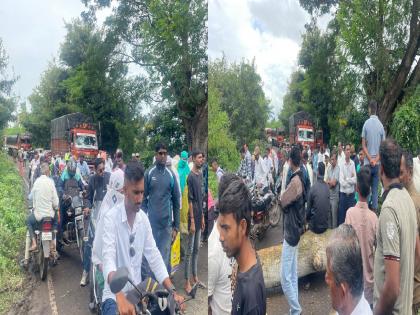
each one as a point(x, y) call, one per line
point(201, 285)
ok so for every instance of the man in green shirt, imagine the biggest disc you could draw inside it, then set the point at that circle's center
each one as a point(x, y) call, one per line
point(396, 239)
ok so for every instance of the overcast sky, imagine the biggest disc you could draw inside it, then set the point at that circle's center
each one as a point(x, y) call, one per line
point(269, 30)
point(32, 31)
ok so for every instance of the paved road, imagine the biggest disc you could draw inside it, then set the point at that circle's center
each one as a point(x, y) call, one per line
point(314, 300)
point(62, 293)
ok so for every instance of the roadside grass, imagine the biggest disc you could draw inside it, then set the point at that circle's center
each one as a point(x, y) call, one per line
point(12, 233)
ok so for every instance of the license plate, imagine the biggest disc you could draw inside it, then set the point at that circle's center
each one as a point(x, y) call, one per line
point(46, 236)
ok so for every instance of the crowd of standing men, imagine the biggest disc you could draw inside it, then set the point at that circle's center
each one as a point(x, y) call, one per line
point(373, 255)
point(170, 195)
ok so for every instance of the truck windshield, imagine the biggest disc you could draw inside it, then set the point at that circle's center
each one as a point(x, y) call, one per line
point(305, 135)
point(86, 141)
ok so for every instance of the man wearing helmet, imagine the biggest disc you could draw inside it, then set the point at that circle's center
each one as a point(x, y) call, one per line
point(69, 185)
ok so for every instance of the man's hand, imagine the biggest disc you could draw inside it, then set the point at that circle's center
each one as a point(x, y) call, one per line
point(174, 234)
point(124, 307)
point(180, 300)
point(203, 225)
point(192, 227)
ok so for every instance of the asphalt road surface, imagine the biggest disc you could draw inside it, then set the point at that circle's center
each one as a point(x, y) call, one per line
point(314, 296)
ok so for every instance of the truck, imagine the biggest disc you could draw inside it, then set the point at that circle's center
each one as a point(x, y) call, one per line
point(13, 143)
point(302, 130)
point(275, 136)
point(75, 133)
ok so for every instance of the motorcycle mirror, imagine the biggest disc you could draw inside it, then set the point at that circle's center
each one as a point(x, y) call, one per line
point(119, 280)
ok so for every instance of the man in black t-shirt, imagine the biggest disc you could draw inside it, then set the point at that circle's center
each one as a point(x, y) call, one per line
point(234, 225)
point(195, 220)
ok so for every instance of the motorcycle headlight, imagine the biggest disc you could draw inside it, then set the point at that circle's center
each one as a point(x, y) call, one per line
point(78, 211)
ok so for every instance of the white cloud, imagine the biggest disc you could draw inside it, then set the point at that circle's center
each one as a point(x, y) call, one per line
point(269, 30)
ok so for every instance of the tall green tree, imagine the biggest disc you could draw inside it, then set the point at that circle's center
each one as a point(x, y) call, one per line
point(8, 102)
point(222, 146)
point(380, 40)
point(87, 78)
point(169, 40)
point(242, 98)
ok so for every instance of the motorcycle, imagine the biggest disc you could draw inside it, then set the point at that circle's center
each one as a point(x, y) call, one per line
point(265, 212)
point(41, 258)
point(74, 231)
point(154, 301)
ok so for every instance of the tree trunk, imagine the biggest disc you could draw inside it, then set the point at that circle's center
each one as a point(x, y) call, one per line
point(396, 86)
point(197, 129)
point(311, 257)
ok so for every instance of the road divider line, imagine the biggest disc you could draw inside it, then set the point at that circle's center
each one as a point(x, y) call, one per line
point(51, 294)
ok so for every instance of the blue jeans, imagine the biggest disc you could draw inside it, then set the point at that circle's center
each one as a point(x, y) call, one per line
point(109, 307)
point(374, 187)
point(163, 239)
point(192, 250)
point(289, 277)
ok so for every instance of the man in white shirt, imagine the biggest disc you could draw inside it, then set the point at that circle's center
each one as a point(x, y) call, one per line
point(220, 271)
point(127, 237)
point(347, 180)
point(33, 165)
point(340, 156)
point(45, 201)
point(344, 275)
point(416, 172)
point(261, 172)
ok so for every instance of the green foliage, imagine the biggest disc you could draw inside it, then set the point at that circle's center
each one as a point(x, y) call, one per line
point(221, 144)
point(13, 130)
point(91, 79)
point(12, 232)
point(8, 102)
point(213, 185)
point(169, 40)
point(406, 123)
point(241, 97)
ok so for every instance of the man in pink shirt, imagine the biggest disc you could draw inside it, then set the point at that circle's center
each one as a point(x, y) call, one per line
point(365, 222)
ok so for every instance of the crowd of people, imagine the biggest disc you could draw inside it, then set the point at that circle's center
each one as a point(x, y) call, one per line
point(373, 254)
point(138, 214)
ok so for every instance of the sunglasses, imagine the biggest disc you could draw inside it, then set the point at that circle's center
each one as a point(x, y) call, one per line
point(163, 153)
point(132, 250)
point(100, 170)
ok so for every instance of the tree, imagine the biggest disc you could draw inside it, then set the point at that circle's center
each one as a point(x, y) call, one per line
point(88, 78)
point(379, 40)
point(8, 102)
point(169, 40)
point(406, 123)
point(242, 98)
point(221, 144)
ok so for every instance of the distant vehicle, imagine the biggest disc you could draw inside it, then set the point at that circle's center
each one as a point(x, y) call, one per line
point(302, 130)
point(275, 136)
point(13, 143)
point(75, 133)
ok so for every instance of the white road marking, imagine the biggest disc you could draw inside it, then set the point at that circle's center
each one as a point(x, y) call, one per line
point(51, 294)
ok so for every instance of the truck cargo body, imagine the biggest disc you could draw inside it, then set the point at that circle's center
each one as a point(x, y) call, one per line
point(13, 143)
point(74, 133)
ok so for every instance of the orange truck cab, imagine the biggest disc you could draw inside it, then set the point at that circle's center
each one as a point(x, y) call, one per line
point(75, 133)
